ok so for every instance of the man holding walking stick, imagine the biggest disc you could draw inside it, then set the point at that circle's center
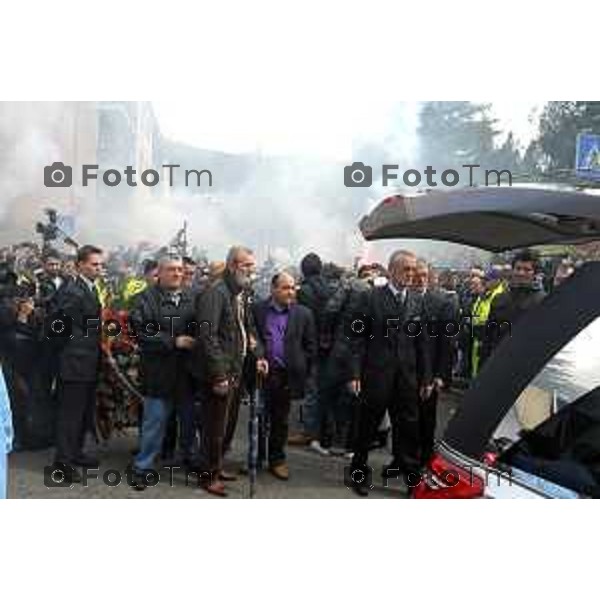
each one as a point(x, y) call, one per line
point(287, 333)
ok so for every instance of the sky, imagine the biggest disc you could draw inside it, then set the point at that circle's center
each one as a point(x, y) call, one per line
point(323, 127)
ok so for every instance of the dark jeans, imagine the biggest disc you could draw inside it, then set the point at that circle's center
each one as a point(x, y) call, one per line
point(183, 422)
point(76, 415)
point(156, 417)
point(277, 402)
point(389, 389)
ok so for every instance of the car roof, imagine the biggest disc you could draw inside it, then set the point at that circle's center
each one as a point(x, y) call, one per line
point(491, 218)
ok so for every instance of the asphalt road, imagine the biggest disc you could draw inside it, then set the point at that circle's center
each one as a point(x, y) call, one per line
point(311, 475)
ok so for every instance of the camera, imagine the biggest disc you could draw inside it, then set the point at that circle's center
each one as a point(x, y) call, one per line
point(58, 476)
point(358, 175)
point(358, 325)
point(58, 175)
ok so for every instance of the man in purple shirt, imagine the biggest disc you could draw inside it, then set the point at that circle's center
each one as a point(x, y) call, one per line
point(287, 332)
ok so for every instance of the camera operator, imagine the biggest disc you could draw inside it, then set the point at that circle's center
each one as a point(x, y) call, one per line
point(50, 281)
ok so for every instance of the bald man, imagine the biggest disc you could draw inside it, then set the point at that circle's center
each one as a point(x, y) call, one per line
point(391, 371)
point(288, 334)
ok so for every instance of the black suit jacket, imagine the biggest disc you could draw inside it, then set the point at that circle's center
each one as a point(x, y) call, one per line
point(300, 343)
point(375, 351)
point(438, 307)
point(79, 357)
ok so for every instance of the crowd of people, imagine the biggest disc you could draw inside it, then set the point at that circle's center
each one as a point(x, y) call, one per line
point(205, 335)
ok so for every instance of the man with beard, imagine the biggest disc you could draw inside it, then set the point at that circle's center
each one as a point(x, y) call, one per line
point(507, 308)
point(390, 371)
point(227, 335)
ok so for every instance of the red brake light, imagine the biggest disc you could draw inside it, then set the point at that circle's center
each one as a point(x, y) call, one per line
point(393, 199)
point(445, 480)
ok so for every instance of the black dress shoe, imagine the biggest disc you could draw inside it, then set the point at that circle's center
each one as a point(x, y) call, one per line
point(86, 461)
point(360, 490)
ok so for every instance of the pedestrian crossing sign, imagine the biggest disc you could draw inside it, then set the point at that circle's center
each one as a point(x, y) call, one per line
point(587, 160)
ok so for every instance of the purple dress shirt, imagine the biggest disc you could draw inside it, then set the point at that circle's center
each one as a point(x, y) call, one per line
point(275, 328)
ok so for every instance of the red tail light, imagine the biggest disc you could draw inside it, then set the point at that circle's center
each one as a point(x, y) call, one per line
point(445, 480)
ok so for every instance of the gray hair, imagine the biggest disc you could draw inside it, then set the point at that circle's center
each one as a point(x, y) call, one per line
point(234, 252)
point(166, 259)
point(399, 255)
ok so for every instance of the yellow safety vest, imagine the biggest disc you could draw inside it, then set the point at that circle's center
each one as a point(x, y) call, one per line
point(480, 315)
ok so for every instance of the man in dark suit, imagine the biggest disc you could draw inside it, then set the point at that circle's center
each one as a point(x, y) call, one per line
point(78, 311)
point(437, 309)
point(226, 336)
point(288, 334)
point(390, 371)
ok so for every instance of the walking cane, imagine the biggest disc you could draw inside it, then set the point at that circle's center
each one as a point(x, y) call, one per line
point(253, 435)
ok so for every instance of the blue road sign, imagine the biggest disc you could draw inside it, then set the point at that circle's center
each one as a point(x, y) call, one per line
point(587, 160)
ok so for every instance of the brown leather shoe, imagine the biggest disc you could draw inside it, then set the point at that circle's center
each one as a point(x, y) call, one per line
point(216, 488)
point(299, 439)
point(281, 471)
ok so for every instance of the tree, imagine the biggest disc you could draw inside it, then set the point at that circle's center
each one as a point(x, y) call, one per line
point(560, 123)
point(508, 156)
point(452, 134)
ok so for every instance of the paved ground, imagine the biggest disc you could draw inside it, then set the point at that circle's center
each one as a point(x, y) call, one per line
point(311, 475)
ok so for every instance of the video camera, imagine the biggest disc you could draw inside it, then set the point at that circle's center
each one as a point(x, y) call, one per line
point(50, 230)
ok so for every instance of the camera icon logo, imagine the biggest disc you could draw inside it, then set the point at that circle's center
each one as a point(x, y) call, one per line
point(358, 325)
point(358, 476)
point(56, 476)
point(58, 325)
point(358, 175)
point(58, 175)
